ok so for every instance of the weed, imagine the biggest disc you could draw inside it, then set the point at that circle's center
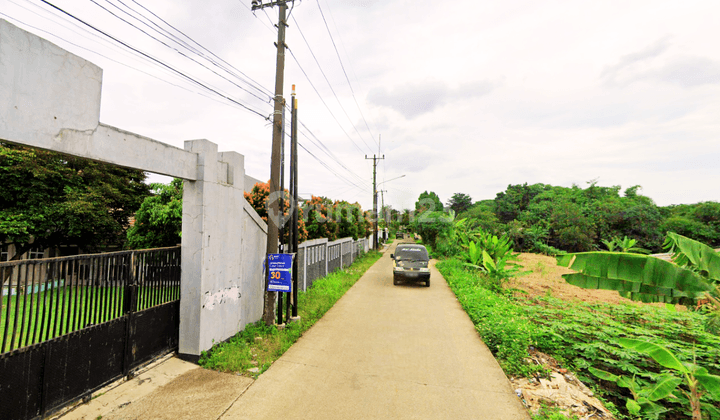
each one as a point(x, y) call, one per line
point(547, 412)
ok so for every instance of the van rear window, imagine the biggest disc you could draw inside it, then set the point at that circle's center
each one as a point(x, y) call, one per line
point(411, 254)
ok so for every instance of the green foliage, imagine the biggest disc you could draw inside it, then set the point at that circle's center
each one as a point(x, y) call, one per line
point(428, 202)
point(51, 199)
point(492, 255)
point(158, 222)
point(460, 202)
point(624, 245)
point(635, 276)
point(696, 378)
point(588, 338)
point(433, 224)
point(574, 219)
point(694, 255)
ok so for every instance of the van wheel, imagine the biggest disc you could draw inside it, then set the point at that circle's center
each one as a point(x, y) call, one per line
point(395, 281)
point(427, 283)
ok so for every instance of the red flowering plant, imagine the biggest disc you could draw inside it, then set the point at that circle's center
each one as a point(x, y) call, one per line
point(258, 199)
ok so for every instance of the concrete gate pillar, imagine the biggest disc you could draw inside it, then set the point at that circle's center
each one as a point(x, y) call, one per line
point(213, 217)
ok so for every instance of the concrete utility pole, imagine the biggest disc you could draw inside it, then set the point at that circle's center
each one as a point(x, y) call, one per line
point(375, 192)
point(274, 215)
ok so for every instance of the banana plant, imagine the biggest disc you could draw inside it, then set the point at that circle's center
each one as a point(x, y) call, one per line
point(644, 398)
point(693, 278)
point(638, 277)
point(646, 278)
point(624, 245)
point(695, 255)
point(696, 378)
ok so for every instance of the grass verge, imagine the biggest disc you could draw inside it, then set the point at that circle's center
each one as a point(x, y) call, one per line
point(259, 345)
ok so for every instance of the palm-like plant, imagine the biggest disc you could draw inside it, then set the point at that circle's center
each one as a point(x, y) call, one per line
point(624, 245)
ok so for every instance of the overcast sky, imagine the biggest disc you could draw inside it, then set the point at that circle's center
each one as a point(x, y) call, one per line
point(468, 96)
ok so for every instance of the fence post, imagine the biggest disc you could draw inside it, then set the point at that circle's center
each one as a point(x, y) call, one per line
point(130, 307)
point(305, 257)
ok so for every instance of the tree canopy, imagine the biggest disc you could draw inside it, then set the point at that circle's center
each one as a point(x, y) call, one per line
point(460, 202)
point(547, 218)
point(158, 222)
point(49, 199)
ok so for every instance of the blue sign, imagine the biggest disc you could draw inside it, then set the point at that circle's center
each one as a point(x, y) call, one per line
point(280, 272)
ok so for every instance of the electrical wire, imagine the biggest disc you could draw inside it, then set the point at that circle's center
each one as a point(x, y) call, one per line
point(328, 82)
point(179, 52)
point(344, 72)
point(156, 60)
point(263, 23)
point(254, 83)
point(323, 101)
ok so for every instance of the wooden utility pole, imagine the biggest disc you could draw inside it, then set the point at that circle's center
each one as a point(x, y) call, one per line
point(276, 192)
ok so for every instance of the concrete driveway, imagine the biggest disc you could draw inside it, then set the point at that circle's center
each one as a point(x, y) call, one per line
point(385, 352)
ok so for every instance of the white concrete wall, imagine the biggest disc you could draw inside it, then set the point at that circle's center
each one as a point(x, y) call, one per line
point(253, 278)
point(50, 99)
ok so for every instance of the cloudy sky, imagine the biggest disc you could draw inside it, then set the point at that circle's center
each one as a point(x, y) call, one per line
point(468, 96)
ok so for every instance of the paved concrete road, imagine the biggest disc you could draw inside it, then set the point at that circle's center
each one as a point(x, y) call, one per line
point(385, 352)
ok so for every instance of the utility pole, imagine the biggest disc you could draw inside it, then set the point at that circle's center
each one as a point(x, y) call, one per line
point(382, 208)
point(294, 197)
point(276, 193)
point(375, 212)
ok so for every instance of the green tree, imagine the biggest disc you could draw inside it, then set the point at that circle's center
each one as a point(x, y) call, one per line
point(48, 199)
point(428, 201)
point(430, 219)
point(460, 202)
point(158, 222)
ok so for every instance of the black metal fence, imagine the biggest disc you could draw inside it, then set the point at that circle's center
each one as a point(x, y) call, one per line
point(47, 298)
point(70, 325)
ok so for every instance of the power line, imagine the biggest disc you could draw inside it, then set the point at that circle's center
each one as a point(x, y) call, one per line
point(320, 145)
point(254, 83)
point(330, 169)
point(112, 59)
point(155, 60)
point(263, 23)
point(329, 84)
point(343, 69)
point(179, 52)
point(323, 101)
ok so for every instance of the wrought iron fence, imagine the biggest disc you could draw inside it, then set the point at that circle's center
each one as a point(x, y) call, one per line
point(42, 299)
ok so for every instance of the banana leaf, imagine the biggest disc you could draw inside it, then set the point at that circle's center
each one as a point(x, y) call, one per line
point(693, 253)
point(711, 383)
point(659, 353)
point(635, 276)
point(664, 386)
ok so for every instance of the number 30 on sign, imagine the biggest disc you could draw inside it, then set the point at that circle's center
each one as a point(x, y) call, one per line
point(280, 272)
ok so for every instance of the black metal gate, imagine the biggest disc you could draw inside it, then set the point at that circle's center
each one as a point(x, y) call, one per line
point(71, 325)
